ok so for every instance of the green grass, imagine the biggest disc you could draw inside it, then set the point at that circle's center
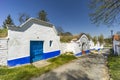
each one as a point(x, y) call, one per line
point(28, 71)
point(114, 67)
point(3, 33)
point(66, 38)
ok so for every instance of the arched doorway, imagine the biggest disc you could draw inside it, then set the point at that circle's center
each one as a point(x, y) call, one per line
point(84, 41)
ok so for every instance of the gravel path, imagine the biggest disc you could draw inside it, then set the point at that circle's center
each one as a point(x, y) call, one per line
point(88, 67)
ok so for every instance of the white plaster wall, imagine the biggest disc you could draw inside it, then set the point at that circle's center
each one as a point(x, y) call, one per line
point(44, 34)
point(70, 47)
point(115, 43)
point(19, 42)
point(91, 43)
point(118, 50)
point(84, 39)
point(63, 47)
point(75, 47)
point(116, 47)
point(3, 51)
point(97, 46)
point(17, 45)
point(3, 57)
point(102, 46)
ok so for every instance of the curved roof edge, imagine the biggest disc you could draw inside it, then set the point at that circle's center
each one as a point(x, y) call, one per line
point(37, 21)
point(34, 20)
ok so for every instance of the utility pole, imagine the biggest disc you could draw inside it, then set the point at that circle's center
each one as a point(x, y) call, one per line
point(112, 36)
point(112, 40)
point(111, 33)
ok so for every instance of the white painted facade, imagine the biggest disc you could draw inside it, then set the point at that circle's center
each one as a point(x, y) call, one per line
point(116, 47)
point(70, 47)
point(3, 51)
point(91, 43)
point(95, 46)
point(19, 39)
point(84, 39)
point(76, 46)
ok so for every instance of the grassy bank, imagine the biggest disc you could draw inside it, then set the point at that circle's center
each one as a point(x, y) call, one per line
point(28, 71)
point(114, 67)
point(3, 33)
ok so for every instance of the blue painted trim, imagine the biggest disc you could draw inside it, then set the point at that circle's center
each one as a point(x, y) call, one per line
point(18, 61)
point(51, 54)
point(99, 49)
point(25, 60)
point(87, 51)
point(78, 54)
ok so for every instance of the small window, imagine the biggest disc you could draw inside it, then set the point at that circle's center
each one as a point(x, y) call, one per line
point(50, 44)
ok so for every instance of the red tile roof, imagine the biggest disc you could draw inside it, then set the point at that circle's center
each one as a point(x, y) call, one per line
point(116, 37)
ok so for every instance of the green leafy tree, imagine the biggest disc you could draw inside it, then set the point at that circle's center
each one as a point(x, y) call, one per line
point(108, 41)
point(101, 39)
point(105, 12)
point(66, 38)
point(42, 15)
point(8, 21)
point(94, 39)
point(89, 36)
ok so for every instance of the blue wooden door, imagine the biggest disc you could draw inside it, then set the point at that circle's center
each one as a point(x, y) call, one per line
point(36, 50)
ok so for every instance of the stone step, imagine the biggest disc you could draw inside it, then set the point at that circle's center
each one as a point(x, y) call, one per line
point(41, 63)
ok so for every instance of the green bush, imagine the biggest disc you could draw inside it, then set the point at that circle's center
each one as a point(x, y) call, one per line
point(66, 38)
point(3, 33)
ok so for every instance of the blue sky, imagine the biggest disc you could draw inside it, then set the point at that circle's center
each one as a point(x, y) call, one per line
point(71, 15)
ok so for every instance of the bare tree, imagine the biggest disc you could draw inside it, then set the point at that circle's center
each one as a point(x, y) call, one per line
point(105, 12)
point(23, 17)
point(60, 30)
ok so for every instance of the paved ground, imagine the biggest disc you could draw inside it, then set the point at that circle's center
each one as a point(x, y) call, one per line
point(88, 67)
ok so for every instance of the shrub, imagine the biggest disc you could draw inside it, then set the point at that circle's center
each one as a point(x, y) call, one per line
point(3, 33)
point(66, 38)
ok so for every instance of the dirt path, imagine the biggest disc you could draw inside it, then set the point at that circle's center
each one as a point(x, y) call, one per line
point(88, 67)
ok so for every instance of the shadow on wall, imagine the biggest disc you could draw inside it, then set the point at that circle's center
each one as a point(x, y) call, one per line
point(68, 75)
